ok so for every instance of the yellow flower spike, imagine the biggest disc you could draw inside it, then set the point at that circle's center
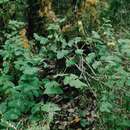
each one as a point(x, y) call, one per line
point(81, 28)
point(111, 44)
point(24, 39)
point(92, 2)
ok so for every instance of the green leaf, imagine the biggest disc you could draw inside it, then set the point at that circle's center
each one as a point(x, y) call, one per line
point(124, 123)
point(52, 88)
point(79, 51)
point(77, 39)
point(73, 81)
point(124, 41)
point(128, 82)
point(54, 27)
point(105, 107)
point(95, 35)
point(70, 62)
point(30, 70)
point(62, 54)
point(15, 103)
point(3, 107)
point(90, 58)
point(12, 114)
point(41, 39)
point(14, 25)
point(6, 67)
point(3, 1)
point(74, 41)
point(125, 46)
point(96, 64)
point(111, 59)
point(50, 107)
point(84, 123)
point(36, 108)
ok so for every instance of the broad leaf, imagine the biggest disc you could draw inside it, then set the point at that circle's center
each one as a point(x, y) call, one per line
point(53, 87)
point(73, 81)
point(50, 107)
point(62, 54)
point(90, 58)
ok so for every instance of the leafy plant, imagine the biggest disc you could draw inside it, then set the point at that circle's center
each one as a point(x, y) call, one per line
point(46, 70)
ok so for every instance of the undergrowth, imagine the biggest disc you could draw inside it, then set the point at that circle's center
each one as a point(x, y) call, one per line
point(85, 77)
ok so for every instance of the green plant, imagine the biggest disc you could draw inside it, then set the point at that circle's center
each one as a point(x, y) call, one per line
point(19, 79)
point(36, 80)
point(113, 69)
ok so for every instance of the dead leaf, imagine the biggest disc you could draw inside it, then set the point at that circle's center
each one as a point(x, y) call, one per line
point(91, 2)
point(76, 120)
